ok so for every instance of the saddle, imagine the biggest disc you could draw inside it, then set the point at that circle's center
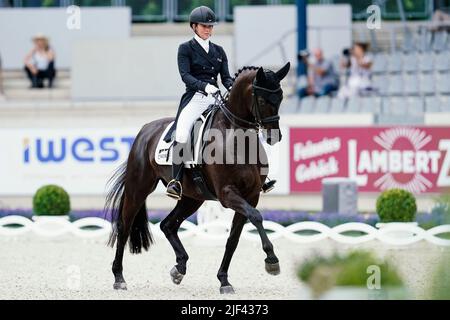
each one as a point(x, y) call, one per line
point(163, 153)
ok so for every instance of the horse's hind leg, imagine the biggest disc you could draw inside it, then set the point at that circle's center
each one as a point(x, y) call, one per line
point(232, 242)
point(170, 225)
point(230, 198)
point(132, 208)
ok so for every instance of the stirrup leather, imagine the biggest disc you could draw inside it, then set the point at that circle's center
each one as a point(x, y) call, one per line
point(173, 195)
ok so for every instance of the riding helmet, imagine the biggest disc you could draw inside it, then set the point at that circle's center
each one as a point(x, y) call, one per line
point(203, 15)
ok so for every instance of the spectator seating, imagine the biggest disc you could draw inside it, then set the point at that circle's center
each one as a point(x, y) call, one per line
point(407, 83)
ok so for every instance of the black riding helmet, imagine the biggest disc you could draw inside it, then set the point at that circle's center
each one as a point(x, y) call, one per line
point(203, 15)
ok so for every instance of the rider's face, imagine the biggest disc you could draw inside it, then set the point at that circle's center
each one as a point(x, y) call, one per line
point(203, 31)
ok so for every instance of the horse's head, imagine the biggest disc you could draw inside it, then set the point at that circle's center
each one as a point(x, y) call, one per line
point(267, 97)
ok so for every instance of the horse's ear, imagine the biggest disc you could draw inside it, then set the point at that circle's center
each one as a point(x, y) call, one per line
point(260, 75)
point(283, 71)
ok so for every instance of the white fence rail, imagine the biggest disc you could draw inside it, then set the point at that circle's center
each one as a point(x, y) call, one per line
point(219, 230)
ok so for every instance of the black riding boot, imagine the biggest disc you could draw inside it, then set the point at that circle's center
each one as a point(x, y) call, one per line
point(174, 187)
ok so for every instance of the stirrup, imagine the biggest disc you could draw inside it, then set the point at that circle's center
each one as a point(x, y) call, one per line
point(173, 195)
point(268, 186)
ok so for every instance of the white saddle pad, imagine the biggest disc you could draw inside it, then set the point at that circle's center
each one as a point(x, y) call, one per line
point(163, 154)
point(163, 148)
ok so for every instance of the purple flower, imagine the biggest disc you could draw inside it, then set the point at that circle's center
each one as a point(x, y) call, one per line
point(283, 217)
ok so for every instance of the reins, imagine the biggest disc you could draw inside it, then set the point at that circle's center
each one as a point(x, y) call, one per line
point(234, 119)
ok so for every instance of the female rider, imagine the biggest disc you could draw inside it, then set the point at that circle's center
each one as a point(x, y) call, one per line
point(200, 62)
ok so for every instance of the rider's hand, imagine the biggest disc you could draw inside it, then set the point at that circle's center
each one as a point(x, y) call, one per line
point(210, 89)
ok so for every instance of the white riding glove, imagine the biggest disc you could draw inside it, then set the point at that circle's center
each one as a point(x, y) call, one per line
point(210, 89)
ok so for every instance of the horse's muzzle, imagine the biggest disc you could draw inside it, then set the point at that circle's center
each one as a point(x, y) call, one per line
point(273, 139)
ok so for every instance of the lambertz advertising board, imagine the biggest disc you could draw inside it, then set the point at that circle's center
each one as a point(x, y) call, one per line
point(377, 158)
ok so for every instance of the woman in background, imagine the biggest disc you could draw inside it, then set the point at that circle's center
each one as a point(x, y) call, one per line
point(39, 63)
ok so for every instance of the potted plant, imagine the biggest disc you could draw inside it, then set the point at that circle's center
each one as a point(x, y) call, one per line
point(357, 275)
point(51, 201)
point(397, 207)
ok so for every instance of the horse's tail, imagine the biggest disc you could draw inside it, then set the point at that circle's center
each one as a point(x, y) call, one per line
point(140, 236)
point(114, 201)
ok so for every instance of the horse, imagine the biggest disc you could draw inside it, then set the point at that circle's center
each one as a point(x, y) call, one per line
point(253, 103)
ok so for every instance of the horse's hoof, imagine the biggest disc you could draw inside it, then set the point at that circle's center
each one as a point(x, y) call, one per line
point(176, 276)
point(120, 286)
point(273, 268)
point(226, 290)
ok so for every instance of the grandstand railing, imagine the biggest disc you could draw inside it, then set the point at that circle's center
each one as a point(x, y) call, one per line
point(178, 10)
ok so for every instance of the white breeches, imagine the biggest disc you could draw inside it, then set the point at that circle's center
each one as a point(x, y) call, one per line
point(189, 114)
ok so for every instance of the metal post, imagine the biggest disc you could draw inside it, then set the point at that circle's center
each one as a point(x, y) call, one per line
point(301, 33)
point(170, 10)
point(401, 11)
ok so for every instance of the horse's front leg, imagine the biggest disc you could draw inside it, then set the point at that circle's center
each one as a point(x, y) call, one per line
point(232, 242)
point(230, 198)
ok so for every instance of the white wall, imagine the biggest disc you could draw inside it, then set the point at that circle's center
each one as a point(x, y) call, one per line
point(329, 27)
point(437, 119)
point(137, 68)
point(328, 120)
point(17, 26)
point(259, 28)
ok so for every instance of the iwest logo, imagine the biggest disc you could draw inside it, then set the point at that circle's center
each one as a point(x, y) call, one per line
point(82, 149)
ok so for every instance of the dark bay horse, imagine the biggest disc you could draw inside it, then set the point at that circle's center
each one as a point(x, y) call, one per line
point(253, 103)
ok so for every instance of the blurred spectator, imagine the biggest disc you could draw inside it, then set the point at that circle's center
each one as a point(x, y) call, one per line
point(440, 20)
point(2, 97)
point(359, 65)
point(40, 62)
point(322, 78)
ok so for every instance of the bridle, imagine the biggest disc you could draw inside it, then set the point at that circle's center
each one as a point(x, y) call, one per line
point(271, 95)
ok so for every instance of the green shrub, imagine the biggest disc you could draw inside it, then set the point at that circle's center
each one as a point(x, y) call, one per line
point(441, 208)
point(396, 205)
point(322, 273)
point(354, 270)
point(51, 200)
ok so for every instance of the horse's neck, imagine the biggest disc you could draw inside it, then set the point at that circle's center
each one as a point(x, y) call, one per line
point(228, 130)
point(240, 107)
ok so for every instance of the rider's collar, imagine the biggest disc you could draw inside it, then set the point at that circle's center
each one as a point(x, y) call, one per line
point(203, 43)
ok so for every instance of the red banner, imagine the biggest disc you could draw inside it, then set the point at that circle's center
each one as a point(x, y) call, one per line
point(377, 158)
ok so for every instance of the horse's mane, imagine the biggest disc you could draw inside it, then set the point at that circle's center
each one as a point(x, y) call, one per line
point(242, 78)
point(245, 68)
